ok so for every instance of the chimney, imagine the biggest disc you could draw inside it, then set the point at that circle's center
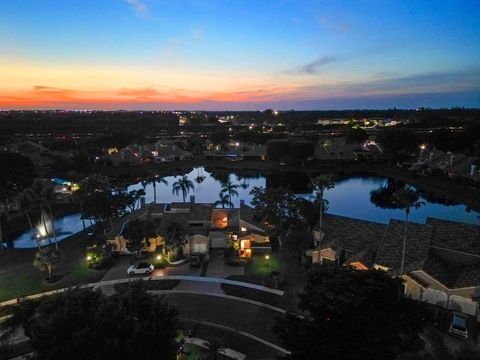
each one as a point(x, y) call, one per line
point(473, 169)
point(192, 199)
point(242, 203)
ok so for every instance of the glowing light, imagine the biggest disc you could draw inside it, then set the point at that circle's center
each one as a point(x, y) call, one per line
point(267, 257)
point(159, 257)
point(89, 258)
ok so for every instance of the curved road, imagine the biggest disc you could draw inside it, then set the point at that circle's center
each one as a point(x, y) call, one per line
point(242, 316)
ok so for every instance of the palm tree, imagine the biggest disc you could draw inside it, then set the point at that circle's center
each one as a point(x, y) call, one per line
point(183, 185)
point(320, 184)
point(47, 197)
point(154, 180)
point(46, 261)
point(230, 189)
point(397, 196)
point(224, 200)
point(27, 202)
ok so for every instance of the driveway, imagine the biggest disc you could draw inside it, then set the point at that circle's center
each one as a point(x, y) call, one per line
point(218, 268)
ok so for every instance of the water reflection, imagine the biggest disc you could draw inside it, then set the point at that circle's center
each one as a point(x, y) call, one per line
point(350, 197)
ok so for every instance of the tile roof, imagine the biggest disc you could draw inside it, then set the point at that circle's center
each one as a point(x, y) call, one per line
point(417, 245)
point(360, 233)
point(451, 275)
point(200, 212)
point(247, 214)
point(455, 236)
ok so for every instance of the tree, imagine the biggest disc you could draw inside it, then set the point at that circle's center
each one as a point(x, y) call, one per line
point(356, 135)
point(44, 195)
point(351, 314)
point(174, 235)
point(223, 201)
point(395, 195)
point(27, 202)
point(18, 174)
point(154, 180)
point(183, 185)
point(219, 137)
point(399, 142)
point(302, 150)
point(230, 189)
point(86, 324)
point(99, 201)
point(45, 260)
point(320, 184)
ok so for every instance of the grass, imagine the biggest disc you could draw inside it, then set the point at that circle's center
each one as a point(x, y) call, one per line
point(15, 285)
point(260, 266)
point(81, 272)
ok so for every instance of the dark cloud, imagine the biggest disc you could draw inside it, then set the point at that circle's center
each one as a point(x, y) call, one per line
point(315, 66)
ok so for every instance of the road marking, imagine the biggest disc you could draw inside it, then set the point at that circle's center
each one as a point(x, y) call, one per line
point(251, 336)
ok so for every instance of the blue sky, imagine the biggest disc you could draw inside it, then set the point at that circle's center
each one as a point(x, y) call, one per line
point(219, 54)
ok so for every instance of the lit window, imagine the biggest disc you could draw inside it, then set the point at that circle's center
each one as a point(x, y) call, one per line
point(243, 229)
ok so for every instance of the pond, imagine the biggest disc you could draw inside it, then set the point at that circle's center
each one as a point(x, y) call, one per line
point(350, 197)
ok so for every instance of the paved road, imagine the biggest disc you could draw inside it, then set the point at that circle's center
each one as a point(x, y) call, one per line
point(253, 349)
point(241, 316)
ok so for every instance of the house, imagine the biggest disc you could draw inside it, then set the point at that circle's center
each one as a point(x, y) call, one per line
point(124, 157)
point(334, 149)
point(205, 227)
point(355, 246)
point(441, 263)
point(165, 152)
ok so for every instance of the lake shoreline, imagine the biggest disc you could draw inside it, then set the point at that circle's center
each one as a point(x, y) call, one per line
point(440, 187)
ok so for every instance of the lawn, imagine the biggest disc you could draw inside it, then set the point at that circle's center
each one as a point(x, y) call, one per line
point(15, 285)
point(19, 277)
point(262, 266)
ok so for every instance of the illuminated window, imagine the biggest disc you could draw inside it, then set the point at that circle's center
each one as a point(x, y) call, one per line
point(243, 229)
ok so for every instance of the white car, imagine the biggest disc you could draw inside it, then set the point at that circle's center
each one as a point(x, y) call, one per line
point(141, 268)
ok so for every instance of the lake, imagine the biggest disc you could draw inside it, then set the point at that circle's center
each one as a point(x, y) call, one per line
point(350, 197)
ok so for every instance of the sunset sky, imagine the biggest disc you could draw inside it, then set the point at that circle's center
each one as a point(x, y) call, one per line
point(238, 54)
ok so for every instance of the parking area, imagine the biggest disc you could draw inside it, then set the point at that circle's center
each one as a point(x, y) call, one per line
point(212, 265)
point(442, 319)
point(218, 268)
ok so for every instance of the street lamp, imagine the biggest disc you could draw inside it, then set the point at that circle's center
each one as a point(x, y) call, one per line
point(159, 257)
point(89, 258)
point(422, 149)
point(267, 257)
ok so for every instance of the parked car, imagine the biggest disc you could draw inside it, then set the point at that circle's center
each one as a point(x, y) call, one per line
point(459, 325)
point(196, 260)
point(141, 268)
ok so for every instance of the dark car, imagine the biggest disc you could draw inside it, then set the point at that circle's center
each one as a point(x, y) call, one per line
point(196, 260)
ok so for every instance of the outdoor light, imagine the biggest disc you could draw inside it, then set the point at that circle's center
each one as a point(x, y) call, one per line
point(267, 257)
point(423, 146)
point(159, 257)
point(89, 258)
